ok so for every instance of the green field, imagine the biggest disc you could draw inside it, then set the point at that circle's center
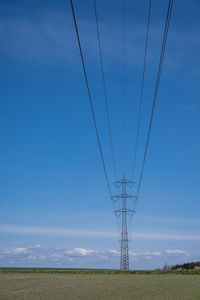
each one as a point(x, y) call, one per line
point(88, 284)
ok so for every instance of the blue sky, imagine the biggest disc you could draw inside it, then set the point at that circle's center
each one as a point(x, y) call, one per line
point(55, 209)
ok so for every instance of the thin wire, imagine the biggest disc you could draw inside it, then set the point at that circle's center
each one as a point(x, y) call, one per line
point(105, 92)
point(124, 80)
point(91, 103)
point(141, 91)
point(168, 17)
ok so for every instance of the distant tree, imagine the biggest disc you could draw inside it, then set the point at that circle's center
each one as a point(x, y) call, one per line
point(188, 266)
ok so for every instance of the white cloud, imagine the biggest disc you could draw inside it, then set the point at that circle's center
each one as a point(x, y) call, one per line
point(20, 250)
point(81, 257)
point(80, 251)
point(115, 252)
point(146, 253)
point(17, 251)
point(31, 257)
point(83, 252)
point(176, 252)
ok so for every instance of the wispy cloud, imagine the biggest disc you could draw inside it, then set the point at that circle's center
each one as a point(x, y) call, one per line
point(49, 38)
point(54, 231)
point(171, 220)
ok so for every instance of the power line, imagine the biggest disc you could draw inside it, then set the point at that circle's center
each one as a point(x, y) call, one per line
point(105, 91)
point(90, 99)
point(141, 92)
point(124, 78)
point(167, 22)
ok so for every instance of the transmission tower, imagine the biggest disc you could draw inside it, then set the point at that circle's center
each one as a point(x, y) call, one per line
point(124, 204)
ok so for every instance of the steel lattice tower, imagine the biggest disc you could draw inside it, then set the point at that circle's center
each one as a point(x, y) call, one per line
point(124, 204)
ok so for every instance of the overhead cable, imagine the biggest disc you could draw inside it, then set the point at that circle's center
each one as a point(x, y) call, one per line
point(167, 23)
point(90, 100)
point(124, 80)
point(105, 91)
point(141, 92)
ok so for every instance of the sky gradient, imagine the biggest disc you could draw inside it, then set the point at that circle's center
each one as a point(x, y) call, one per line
point(55, 209)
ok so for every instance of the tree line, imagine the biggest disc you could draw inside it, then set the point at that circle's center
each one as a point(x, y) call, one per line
point(190, 265)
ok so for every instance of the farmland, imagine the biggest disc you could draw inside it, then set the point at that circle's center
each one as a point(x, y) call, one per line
point(97, 284)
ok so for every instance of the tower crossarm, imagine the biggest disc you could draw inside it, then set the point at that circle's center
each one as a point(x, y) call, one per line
point(124, 196)
point(124, 211)
point(124, 180)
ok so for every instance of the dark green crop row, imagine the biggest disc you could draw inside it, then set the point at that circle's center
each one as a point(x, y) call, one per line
point(96, 271)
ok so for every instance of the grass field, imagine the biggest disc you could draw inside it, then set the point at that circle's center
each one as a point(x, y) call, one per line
point(150, 286)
